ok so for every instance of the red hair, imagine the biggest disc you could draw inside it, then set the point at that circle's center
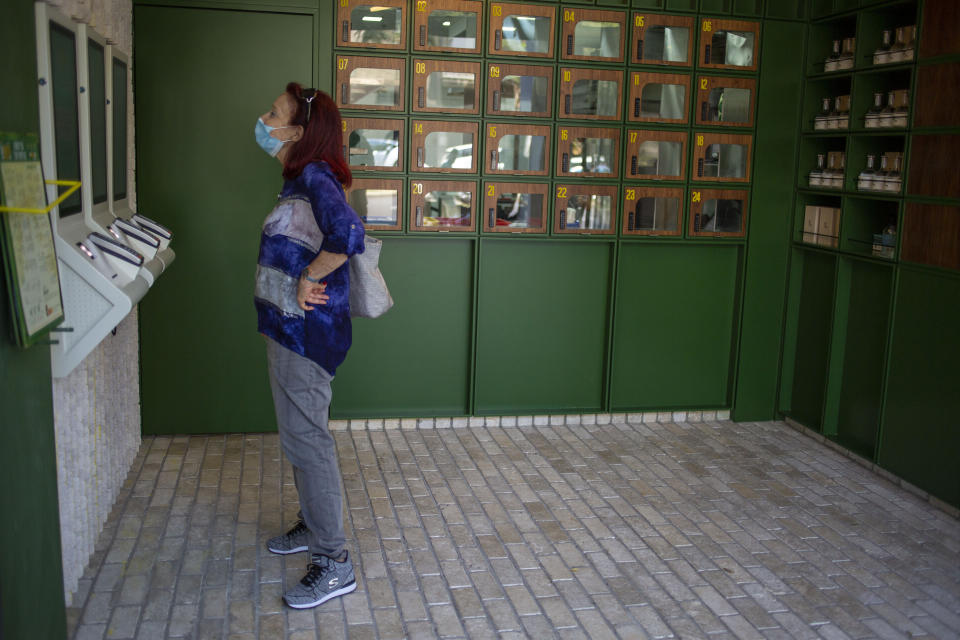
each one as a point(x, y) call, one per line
point(322, 135)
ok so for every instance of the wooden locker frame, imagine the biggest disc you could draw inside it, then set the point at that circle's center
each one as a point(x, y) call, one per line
point(343, 20)
point(496, 72)
point(640, 192)
point(490, 203)
point(422, 11)
point(351, 123)
point(423, 67)
point(569, 77)
point(641, 22)
point(653, 135)
point(496, 130)
point(705, 84)
point(564, 191)
point(347, 64)
point(703, 139)
point(418, 199)
point(699, 196)
point(513, 9)
point(572, 15)
point(382, 183)
point(418, 142)
point(578, 132)
point(637, 80)
point(711, 25)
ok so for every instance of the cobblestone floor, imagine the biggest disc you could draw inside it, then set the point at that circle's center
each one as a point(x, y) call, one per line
point(630, 530)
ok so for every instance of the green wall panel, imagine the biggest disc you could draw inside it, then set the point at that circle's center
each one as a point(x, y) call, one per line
point(865, 345)
point(31, 575)
point(815, 318)
point(920, 438)
point(778, 104)
point(676, 312)
point(542, 352)
point(199, 171)
point(415, 360)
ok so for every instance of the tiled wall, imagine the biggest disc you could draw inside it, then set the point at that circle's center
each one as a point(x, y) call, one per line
point(97, 407)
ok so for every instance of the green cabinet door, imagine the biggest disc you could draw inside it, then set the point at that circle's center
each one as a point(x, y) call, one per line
point(415, 360)
point(542, 326)
point(202, 79)
point(676, 312)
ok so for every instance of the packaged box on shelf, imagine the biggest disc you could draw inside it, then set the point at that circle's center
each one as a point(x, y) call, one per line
point(811, 224)
point(828, 232)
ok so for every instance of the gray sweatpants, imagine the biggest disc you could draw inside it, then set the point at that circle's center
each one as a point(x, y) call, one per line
point(301, 397)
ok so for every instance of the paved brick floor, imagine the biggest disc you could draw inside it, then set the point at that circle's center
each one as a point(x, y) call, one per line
point(712, 529)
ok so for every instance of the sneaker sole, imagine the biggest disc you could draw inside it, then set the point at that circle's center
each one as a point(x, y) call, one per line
point(285, 552)
point(339, 592)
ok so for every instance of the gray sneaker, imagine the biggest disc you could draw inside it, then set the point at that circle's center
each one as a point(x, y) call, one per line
point(293, 541)
point(326, 578)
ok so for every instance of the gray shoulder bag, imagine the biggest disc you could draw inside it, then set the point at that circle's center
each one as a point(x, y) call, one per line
point(369, 296)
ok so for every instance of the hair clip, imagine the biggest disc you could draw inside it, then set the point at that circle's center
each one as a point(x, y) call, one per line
point(313, 94)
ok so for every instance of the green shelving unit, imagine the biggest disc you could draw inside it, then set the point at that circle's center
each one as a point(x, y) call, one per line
point(854, 304)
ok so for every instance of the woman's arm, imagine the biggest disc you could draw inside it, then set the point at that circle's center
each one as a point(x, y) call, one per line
point(310, 293)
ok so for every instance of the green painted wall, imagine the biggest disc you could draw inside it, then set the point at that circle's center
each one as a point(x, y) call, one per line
point(204, 367)
point(778, 110)
point(920, 440)
point(31, 575)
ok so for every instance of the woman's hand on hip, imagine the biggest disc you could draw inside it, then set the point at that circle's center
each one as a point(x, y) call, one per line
point(310, 293)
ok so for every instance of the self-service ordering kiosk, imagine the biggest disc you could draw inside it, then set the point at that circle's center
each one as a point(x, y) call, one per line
point(108, 256)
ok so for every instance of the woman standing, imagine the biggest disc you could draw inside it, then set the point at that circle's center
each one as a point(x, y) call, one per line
point(302, 301)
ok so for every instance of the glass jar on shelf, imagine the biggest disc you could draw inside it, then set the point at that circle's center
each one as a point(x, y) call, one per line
point(898, 51)
point(882, 53)
point(865, 181)
point(887, 114)
point(874, 114)
point(824, 119)
point(909, 42)
point(882, 177)
point(833, 60)
point(833, 176)
point(845, 62)
point(841, 109)
point(817, 174)
point(901, 102)
point(894, 178)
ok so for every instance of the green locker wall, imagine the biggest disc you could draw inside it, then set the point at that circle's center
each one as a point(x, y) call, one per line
point(31, 575)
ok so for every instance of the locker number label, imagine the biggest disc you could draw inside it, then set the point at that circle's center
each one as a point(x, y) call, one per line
point(699, 141)
point(494, 71)
point(566, 75)
point(418, 127)
point(421, 6)
point(496, 10)
point(638, 21)
point(636, 79)
point(568, 15)
point(696, 196)
point(561, 192)
point(493, 131)
point(631, 195)
point(633, 136)
point(417, 188)
point(563, 134)
point(703, 83)
point(420, 67)
point(708, 25)
point(491, 190)
point(342, 63)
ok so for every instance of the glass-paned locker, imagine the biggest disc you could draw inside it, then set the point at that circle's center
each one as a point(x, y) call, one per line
point(585, 209)
point(522, 89)
point(718, 212)
point(658, 97)
point(374, 143)
point(662, 39)
point(372, 25)
point(446, 86)
point(378, 202)
point(512, 207)
point(592, 34)
point(725, 101)
point(443, 146)
point(517, 149)
point(521, 30)
point(729, 44)
point(652, 211)
point(365, 82)
point(590, 94)
point(447, 25)
point(588, 151)
point(656, 154)
point(442, 205)
point(722, 156)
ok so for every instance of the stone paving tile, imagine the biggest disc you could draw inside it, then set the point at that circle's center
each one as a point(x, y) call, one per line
point(530, 527)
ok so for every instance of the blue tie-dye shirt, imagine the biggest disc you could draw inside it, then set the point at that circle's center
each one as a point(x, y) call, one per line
point(312, 215)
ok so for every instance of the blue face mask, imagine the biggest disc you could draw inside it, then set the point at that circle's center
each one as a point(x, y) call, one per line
point(266, 141)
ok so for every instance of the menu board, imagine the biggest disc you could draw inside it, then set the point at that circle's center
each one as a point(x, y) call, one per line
point(26, 241)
